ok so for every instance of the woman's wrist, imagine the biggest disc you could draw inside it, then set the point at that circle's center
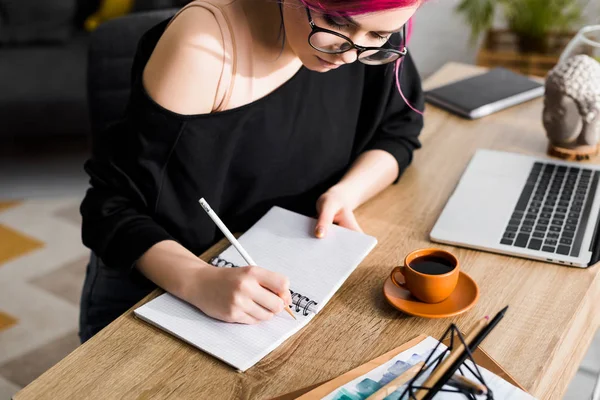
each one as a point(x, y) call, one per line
point(345, 191)
point(372, 172)
point(172, 267)
point(191, 279)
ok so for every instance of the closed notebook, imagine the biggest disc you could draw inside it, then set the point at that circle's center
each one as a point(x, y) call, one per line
point(483, 94)
point(281, 241)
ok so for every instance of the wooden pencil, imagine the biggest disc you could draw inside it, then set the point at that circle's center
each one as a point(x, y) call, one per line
point(396, 383)
point(449, 360)
point(462, 382)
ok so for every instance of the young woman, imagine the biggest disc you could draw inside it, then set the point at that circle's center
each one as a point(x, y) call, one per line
point(312, 105)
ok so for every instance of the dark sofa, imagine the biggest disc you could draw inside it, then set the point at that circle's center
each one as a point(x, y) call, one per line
point(43, 84)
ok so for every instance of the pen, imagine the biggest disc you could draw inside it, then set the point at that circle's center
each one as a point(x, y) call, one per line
point(232, 239)
point(482, 335)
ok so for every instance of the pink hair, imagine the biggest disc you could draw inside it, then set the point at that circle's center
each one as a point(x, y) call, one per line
point(357, 7)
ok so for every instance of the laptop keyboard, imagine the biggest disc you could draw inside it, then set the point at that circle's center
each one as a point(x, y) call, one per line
point(553, 209)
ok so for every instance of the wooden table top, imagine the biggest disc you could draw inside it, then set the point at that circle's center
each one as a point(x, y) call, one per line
point(552, 318)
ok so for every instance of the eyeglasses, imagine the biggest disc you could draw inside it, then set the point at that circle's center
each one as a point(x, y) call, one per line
point(330, 42)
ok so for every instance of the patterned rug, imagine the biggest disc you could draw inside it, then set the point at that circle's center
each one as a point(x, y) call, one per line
point(42, 266)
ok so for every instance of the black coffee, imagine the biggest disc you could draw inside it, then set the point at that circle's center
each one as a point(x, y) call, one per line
point(432, 265)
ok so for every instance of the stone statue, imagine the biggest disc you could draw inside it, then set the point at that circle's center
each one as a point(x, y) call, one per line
point(571, 114)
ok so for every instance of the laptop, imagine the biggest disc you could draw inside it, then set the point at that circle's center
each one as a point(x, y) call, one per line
point(525, 206)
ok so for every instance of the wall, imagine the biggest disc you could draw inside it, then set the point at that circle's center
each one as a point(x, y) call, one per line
point(440, 35)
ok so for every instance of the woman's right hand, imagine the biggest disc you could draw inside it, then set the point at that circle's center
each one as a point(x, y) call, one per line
point(245, 295)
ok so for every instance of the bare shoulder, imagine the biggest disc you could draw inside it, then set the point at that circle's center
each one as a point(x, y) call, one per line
point(183, 72)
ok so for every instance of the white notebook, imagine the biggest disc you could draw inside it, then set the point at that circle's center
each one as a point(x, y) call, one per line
point(281, 241)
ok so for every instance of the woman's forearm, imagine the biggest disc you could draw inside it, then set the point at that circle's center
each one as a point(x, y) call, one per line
point(171, 266)
point(373, 171)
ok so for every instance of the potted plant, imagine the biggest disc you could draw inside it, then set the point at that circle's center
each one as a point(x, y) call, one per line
point(532, 21)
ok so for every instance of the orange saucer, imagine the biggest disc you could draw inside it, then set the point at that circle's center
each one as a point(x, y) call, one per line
point(463, 298)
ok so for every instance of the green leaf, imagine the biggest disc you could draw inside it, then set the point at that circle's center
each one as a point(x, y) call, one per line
point(530, 18)
point(478, 14)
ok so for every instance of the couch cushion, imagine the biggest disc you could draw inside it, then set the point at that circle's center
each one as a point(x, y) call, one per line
point(27, 21)
point(43, 89)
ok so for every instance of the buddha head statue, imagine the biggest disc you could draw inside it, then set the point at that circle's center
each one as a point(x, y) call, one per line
point(571, 113)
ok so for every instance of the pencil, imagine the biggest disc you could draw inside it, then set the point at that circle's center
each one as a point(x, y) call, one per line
point(231, 238)
point(463, 383)
point(448, 361)
point(400, 380)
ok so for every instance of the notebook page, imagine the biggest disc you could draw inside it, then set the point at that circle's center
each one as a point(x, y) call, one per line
point(240, 346)
point(284, 242)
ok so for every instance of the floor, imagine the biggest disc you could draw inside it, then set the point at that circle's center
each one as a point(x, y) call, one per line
point(53, 173)
point(42, 260)
point(42, 266)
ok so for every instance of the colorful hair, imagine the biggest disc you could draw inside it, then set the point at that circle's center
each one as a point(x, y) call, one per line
point(357, 7)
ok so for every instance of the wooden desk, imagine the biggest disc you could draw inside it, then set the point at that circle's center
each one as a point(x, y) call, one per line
point(552, 318)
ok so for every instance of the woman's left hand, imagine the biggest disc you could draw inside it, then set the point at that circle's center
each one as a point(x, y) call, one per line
point(334, 207)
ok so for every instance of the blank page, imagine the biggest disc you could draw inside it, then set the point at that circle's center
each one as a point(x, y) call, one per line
point(280, 241)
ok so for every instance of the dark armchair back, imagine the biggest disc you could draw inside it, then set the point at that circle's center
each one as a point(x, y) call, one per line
point(112, 49)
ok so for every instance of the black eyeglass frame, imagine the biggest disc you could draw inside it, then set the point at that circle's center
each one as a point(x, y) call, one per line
point(359, 49)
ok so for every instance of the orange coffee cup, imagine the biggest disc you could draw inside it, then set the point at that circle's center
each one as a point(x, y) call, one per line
point(429, 274)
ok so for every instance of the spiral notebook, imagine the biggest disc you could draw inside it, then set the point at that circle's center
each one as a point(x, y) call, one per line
point(281, 241)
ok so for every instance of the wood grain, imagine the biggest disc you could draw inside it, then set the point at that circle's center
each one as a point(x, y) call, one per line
point(552, 317)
